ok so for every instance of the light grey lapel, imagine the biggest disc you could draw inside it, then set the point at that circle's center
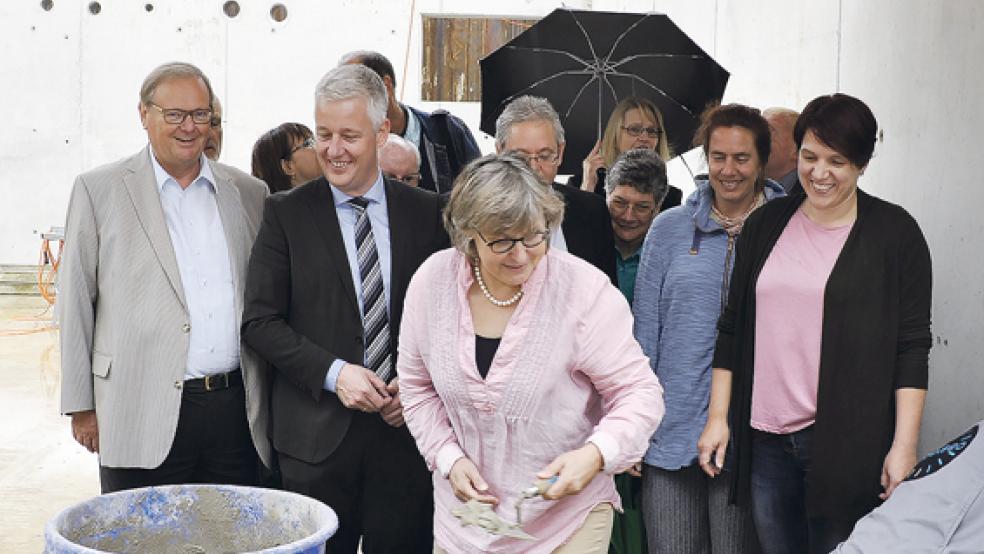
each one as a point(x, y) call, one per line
point(234, 226)
point(142, 188)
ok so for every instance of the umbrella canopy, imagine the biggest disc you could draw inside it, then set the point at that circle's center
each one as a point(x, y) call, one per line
point(585, 62)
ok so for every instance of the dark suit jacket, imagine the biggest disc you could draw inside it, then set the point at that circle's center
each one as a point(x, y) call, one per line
point(588, 228)
point(301, 312)
point(446, 146)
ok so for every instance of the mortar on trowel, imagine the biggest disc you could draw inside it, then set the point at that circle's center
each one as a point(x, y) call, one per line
point(482, 515)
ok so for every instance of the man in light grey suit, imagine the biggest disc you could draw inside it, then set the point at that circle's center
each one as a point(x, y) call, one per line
point(150, 301)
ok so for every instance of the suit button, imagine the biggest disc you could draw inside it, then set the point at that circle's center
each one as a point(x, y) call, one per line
point(186, 328)
point(178, 384)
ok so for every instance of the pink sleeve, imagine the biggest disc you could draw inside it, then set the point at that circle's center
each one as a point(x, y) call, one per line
point(423, 409)
point(632, 397)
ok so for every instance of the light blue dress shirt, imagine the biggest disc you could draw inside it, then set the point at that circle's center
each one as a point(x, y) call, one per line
point(200, 248)
point(379, 219)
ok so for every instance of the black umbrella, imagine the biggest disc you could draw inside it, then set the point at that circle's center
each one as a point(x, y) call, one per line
point(585, 62)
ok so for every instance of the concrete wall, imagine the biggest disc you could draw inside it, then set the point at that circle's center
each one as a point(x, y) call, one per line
point(71, 80)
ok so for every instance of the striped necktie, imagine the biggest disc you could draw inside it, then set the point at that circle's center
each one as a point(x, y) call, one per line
point(375, 322)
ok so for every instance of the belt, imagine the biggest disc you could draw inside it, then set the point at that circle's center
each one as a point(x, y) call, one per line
point(211, 383)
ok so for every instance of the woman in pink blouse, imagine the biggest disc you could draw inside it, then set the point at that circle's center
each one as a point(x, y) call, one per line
point(517, 363)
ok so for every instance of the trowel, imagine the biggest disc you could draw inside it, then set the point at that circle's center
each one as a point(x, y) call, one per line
point(481, 514)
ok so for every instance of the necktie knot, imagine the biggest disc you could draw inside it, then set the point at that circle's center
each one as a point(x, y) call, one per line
point(359, 203)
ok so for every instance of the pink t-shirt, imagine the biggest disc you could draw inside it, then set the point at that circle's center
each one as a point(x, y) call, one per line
point(789, 324)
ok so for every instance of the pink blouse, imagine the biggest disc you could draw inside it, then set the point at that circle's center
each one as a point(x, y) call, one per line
point(568, 371)
point(789, 324)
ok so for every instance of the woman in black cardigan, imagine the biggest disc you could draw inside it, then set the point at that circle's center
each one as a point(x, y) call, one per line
point(833, 288)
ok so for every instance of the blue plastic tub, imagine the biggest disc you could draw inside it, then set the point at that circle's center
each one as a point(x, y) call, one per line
point(193, 519)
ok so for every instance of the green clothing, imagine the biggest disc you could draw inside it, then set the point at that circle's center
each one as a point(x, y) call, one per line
point(626, 270)
point(628, 531)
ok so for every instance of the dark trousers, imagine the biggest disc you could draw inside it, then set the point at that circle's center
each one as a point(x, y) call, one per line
point(212, 444)
point(780, 465)
point(378, 485)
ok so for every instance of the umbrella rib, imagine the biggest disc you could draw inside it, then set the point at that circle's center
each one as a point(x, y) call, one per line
point(541, 81)
point(652, 86)
point(624, 33)
point(587, 38)
point(610, 87)
point(628, 59)
point(549, 51)
point(578, 96)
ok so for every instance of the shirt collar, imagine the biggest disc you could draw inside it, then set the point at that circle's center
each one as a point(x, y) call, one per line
point(412, 131)
point(161, 175)
point(634, 257)
point(375, 194)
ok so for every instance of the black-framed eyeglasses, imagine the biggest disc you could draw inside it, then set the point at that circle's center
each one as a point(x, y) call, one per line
point(307, 143)
point(503, 246)
point(547, 157)
point(412, 179)
point(636, 130)
point(174, 116)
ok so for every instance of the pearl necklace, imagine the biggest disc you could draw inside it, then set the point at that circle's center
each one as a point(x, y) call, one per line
point(488, 295)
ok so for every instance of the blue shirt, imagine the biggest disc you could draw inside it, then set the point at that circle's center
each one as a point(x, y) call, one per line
point(676, 308)
point(379, 220)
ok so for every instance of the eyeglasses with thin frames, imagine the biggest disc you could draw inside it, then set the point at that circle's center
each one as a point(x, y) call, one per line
point(307, 143)
point(619, 205)
point(636, 130)
point(174, 116)
point(503, 246)
point(547, 157)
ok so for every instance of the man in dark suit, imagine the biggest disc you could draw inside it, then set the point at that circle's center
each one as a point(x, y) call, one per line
point(530, 128)
point(324, 297)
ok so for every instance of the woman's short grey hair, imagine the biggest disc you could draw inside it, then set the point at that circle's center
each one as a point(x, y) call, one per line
point(353, 81)
point(171, 70)
point(641, 169)
point(522, 109)
point(499, 194)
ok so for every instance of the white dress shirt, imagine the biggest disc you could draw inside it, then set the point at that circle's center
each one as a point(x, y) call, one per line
point(200, 248)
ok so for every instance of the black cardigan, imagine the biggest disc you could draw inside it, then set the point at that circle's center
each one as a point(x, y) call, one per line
point(876, 339)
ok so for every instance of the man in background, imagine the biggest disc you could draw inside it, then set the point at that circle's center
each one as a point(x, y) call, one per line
point(443, 140)
point(530, 128)
point(399, 160)
point(782, 161)
point(213, 142)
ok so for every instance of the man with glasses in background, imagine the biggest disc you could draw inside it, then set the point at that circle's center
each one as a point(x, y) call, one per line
point(635, 187)
point(150, 298)
point(213, 142)
point(530, 128)
point(399, 160)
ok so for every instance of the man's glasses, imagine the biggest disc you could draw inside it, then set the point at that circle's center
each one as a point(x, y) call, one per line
point(636, 130)
point(412, 179)
point(502, 246)
point(175, 116)
point(308, 143)
point(547, 157)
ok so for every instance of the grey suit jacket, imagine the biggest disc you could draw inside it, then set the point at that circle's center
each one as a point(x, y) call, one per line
point(123, 315)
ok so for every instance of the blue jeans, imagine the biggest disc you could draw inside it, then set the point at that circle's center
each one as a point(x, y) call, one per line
point(780, 465)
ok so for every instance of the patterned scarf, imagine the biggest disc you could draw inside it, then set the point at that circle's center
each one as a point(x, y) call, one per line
point(733, 225)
